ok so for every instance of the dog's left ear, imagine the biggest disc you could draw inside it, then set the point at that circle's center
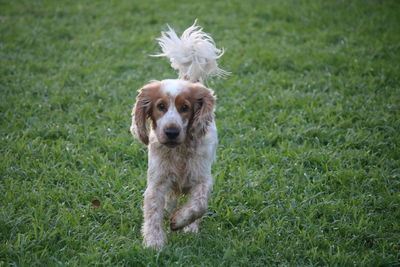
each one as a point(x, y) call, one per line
point(142, 110)
point(203, 108)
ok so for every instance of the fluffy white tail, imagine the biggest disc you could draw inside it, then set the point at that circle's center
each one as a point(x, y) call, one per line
point(194, 54)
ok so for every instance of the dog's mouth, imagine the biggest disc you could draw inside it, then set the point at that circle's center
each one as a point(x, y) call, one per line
point(171, 144)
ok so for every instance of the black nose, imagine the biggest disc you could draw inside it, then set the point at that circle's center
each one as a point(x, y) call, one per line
point(172, 133)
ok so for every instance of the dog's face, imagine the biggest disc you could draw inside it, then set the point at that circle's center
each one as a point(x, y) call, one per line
point(178, 110)
point(171, 110)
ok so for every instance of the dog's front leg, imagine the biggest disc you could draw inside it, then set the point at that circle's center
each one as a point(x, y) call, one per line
point(170, 202)
point(195, 207)
point(153, 234)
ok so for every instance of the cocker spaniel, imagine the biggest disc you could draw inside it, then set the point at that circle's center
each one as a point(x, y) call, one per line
point(183, 135)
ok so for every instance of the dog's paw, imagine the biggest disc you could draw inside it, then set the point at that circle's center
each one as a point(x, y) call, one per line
point(178, 220)
point(156, 242)
point(157, 245)
point(193, 227)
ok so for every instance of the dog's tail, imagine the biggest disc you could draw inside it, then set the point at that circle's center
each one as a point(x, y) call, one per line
point(194, 54)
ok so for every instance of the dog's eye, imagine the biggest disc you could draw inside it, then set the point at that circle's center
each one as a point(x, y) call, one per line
point(185, 108)
point(161, 106)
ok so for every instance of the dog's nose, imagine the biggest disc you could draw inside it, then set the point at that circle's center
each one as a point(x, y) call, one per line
point(172, 133)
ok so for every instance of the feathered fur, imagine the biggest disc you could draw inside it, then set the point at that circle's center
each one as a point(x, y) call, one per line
point(194, 54)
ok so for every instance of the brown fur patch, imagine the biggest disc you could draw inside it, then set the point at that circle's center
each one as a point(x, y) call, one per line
point(142, 109)
point(204, 100)
point(156, 113)
point(185, 99)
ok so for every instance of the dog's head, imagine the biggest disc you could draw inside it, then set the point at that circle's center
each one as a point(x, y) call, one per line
point(177, 109)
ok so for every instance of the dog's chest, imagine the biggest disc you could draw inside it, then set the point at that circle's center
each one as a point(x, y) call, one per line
point(178, 163)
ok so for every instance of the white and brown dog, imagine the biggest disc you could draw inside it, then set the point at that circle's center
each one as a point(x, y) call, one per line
point(183, 136)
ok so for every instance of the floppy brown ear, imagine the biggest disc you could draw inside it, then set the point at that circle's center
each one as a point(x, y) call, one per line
point(142, 111)
point(203, 108)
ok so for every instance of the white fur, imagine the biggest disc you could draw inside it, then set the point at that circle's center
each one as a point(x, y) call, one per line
point(184, 168)
point(173, 86)
point(165, 184)
point(194, 54)
point(172, 116)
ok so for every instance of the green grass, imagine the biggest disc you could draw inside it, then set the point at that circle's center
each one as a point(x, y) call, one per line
point(308, 167)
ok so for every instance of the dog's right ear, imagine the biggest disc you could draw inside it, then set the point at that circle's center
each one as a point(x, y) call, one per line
point(142, 110)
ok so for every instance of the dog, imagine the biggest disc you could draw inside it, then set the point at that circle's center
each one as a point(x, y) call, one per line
point(183, 139)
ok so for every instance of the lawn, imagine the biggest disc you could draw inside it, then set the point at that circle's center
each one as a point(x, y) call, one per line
point(308, 166)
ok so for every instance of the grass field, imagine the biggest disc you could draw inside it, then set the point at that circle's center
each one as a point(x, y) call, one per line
point(308, 167)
